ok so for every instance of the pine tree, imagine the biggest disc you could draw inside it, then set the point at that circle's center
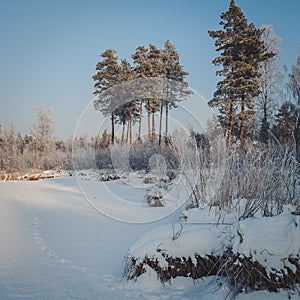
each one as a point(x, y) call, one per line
point(285, 123)
point(141, 64)
point(176, 88)
point(242, 51)
point(108, 75)
point(147, 68)
point(164, 68)
point(155, 64)
point(127, 106)
point(141, 70)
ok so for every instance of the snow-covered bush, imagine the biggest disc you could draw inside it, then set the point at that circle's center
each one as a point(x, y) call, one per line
point(140, 155)
point(263, 178)
point(192, 163)
point(84, 153)
point(249, 179)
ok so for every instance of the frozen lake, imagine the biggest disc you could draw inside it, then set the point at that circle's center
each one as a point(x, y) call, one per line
point(54, 245)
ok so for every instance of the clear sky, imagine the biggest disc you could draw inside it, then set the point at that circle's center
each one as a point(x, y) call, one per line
point(49, 49)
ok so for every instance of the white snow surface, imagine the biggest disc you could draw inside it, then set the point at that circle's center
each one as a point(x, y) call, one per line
point(54, 245)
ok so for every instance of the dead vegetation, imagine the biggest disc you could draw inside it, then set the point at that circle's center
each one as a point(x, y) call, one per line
point(26, 177)
point(242, 273)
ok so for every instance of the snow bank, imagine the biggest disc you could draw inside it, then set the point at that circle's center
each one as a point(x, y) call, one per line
point(268, 247)
point(270, 241)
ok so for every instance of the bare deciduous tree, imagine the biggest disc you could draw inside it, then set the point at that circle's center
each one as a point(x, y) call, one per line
point(43, 143)
point(270, 80)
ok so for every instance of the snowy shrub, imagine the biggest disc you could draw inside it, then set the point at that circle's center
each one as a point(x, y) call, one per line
point(249, 179)
point(265, 177)
point(155, 200)
point(83, 154)
point(191, 164)
point(140, 155)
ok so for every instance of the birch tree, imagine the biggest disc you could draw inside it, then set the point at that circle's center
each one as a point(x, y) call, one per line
point(270, 81)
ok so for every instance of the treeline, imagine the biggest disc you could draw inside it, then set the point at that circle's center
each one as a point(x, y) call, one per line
point(36, 151)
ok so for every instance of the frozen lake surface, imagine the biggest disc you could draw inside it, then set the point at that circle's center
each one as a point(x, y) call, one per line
point(54, 245)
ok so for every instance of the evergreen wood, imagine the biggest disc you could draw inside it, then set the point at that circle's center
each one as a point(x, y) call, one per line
point(154, 82)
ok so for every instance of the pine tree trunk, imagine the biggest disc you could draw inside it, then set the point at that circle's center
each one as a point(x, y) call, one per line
point(160, 122)
point(265, 106)
point(112, 128)
point(140, 121)
point(123, 131)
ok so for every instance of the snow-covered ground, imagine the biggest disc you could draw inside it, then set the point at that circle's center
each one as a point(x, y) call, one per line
point(55, 245)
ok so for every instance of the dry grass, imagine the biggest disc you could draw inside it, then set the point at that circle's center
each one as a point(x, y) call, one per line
point(242, 273)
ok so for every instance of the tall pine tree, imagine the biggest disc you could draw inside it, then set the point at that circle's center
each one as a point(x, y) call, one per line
point(176, 87)
point(155, 70)
point(148, 69)
point(126, 109)
point(141, 70)
point(242, 50)
point(108, 75)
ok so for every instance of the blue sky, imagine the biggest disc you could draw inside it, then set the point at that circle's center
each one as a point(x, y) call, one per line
point(49, 49)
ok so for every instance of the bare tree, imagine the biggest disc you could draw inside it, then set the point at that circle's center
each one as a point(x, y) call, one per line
point(8, 149)
point(43, 140)
point(270, 81)
point(294, 86)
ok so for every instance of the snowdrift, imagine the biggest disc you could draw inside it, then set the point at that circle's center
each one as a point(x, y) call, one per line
point(259, 253)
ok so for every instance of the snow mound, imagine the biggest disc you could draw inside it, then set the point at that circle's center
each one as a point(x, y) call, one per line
point(271, 241)
point(266, 249)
